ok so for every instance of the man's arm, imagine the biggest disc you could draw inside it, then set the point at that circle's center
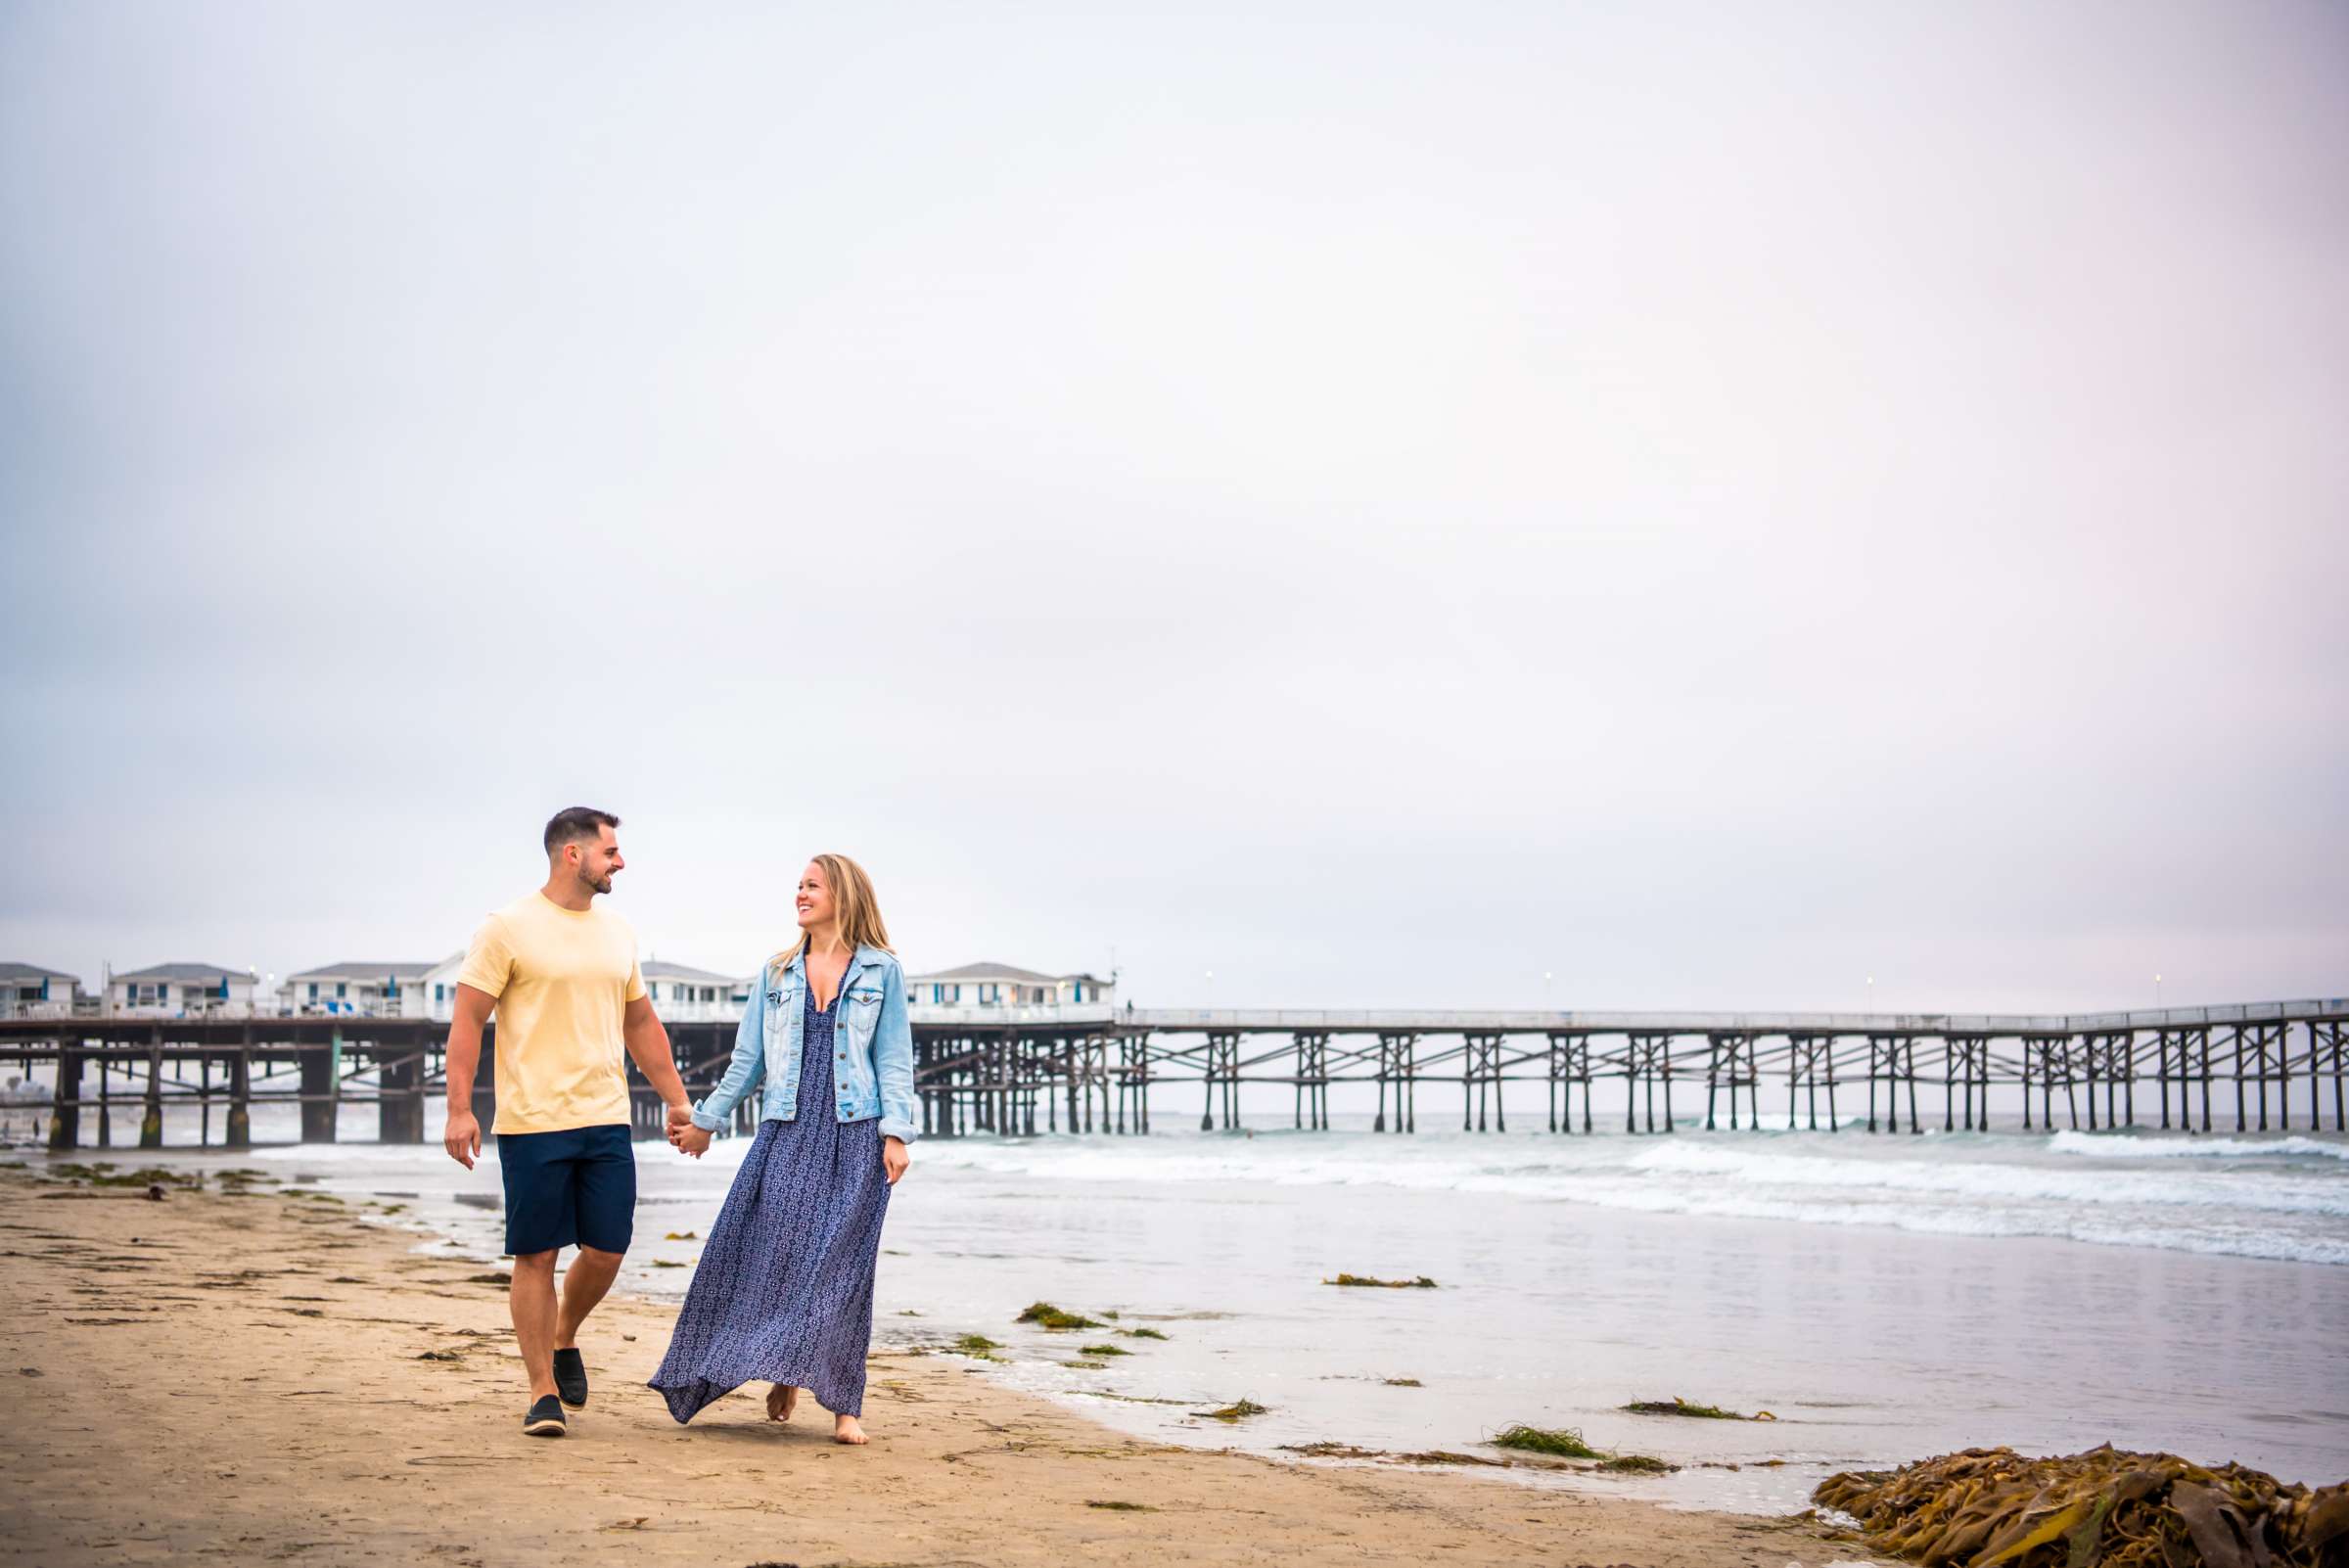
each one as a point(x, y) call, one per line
point(462, 1136)
point(640, 1030)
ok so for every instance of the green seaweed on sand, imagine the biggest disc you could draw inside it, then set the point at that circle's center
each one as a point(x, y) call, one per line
point(1238, 1410)
point(1567, 1443)
point(975, 1345)
point(1564, 1442)
point(104, 1174)
point(666, 1262)
point(1102, 1350)
point(1677, 1405)
point(1120, 1508)
point(1423, 1282)
point(440, 1356)
point(1047, 1316)
point(1402, 1382)
point(682, 1236)
point(1087, 1367)
point(1140, 1334)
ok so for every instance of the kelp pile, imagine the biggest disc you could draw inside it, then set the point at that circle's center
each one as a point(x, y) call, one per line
point(2100, 1509)
point(1051, 1316)
point(1677, 1405)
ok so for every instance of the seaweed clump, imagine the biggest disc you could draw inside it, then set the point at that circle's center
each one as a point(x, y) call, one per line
point(1103, 1350)
point(1420, 1283)
point(1138, 1333)
point(1564, 1442)
point(1047, 1315)
point(978, 1345)
point(2104, 1509)
point(1238, 1410)
point(1677, 1405)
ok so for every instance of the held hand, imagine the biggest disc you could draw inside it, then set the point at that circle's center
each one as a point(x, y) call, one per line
point(462, 1138)
point(680, 1118)
point(692, 1140)
point(895, 1158)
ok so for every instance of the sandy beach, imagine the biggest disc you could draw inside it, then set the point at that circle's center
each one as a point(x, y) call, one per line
point(264, 1376)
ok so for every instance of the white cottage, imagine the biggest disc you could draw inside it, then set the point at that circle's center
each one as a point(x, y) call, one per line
point(1002, 986)
point(28, 991)
point(375, 989)
point(174, 991)
point(684, 995)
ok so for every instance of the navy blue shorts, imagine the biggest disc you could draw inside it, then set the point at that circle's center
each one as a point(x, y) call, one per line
point(576, 1187)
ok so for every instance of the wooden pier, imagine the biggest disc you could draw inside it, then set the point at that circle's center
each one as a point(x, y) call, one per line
point(2261, 1067)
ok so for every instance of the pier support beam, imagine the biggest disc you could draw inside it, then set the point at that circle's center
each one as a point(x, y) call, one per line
point(399, 1103)
point(1398, 1064)
point(240, 1099)
point(1569, 1065)
point(1313, 1080)
point(65, 1111)
point(150, 1120)
point(319, 1073)
point(1646, 1058)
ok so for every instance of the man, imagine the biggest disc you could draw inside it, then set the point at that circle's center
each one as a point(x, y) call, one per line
point(563, 978)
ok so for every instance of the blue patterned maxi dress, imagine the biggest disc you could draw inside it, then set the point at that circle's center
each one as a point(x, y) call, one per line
point(784, 1290)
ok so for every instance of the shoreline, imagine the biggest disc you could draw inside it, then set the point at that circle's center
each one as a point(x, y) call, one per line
point(265, 1374)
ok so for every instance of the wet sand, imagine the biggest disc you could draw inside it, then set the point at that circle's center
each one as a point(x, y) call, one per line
point(265, 1377)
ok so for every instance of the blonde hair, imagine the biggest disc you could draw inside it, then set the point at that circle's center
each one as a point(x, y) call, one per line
point(860, 923)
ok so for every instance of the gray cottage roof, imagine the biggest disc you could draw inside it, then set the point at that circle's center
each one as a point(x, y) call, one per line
point(190, 972)
point(663, 969)
point(357, 969)
point(990, 971)
point(15, 974)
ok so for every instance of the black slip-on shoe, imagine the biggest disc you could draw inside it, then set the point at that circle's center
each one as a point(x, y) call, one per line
point(571, 1377)
point(545, 1418)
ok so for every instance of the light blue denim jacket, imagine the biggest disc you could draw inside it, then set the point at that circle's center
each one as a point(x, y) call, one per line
point(872, 1055)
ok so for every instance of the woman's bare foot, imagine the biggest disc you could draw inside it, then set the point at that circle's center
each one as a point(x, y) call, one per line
point(846, 1430)
point(779, 1403)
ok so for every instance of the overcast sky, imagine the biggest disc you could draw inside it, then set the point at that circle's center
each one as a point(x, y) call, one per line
point(1378, 502)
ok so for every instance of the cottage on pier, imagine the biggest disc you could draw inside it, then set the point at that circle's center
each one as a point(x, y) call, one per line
point(989, 985)
point(28, 991)
point(177, 991)
point(375, 989)
point(684, 995)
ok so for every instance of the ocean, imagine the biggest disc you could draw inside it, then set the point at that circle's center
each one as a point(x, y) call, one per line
point(1884, 1297)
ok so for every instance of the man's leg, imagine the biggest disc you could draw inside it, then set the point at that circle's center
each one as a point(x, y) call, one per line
point(604, 1204)
point(584, 1282)
point(532, 1301)
point(538, 1168)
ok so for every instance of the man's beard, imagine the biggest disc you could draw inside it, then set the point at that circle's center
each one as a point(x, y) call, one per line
point(602, 885)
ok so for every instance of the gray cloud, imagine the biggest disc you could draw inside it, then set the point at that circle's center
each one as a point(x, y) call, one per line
point(1710, 503)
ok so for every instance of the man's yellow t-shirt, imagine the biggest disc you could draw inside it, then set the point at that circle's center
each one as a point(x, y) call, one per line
point(563, 980)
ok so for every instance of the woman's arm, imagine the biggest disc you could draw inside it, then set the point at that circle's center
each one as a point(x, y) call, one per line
point(892, 1061)
point(750, 1055)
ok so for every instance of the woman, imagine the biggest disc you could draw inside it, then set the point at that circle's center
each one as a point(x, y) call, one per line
point(784, 1291)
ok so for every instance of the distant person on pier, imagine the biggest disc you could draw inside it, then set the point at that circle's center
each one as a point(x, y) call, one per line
point(784, 1290)
point(562, 977)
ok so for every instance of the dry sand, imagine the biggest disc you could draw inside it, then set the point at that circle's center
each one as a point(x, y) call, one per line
point(244, 1377)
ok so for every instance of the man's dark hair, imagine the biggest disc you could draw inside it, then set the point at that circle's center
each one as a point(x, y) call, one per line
point(574, 822)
